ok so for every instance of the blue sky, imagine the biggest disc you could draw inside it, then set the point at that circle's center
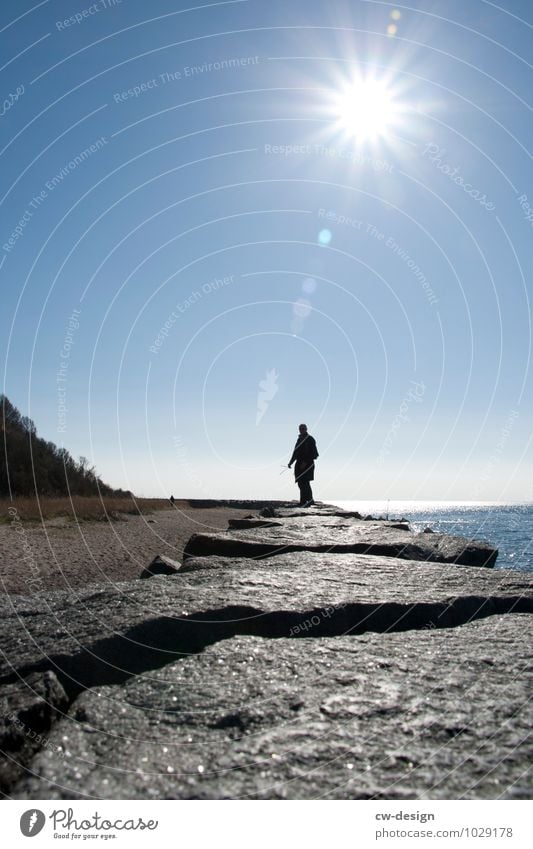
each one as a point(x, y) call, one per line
point(220, 220)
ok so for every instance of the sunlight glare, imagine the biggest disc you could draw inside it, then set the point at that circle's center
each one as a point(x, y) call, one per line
point(365, 110)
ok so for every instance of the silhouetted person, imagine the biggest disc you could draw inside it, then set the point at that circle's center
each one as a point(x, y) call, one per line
point(172, 499)
point(304, 456)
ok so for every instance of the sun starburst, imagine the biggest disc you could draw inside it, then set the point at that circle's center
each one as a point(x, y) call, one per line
point(365, 109)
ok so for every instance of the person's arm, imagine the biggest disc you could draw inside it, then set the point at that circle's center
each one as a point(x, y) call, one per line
point(294, 454)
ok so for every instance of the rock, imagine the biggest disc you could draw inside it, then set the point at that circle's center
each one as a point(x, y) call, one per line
point(335, 534)
point(381, 716)
point(161, 565)
point(268, 512)
point(105, 634)
point(319, 672)
point(252, 522)
point(315, 511)
point(28, 708)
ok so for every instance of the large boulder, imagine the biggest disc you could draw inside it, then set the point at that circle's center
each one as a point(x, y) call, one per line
point(343, 536)
point(107, 632)
point(417, 715)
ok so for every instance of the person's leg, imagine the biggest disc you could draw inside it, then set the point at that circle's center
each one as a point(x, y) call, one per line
point(301, 487)
point(307, 494)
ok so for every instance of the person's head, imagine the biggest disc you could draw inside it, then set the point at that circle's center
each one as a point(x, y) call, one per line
point(302, 428)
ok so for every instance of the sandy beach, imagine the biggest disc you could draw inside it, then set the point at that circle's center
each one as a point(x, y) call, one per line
point(63, 554)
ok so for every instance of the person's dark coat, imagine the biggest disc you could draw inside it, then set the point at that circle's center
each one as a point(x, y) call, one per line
point(303, 457)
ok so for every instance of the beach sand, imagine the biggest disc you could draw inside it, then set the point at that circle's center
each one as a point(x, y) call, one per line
point(65, 555)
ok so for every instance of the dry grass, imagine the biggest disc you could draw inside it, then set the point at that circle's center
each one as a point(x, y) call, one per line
point(85, 508)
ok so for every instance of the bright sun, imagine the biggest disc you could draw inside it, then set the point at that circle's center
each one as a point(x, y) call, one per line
point(365, 109)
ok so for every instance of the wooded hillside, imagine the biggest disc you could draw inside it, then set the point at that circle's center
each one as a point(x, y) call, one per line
point(30, 465)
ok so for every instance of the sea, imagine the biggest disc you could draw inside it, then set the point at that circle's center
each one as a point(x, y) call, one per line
point(508, 526)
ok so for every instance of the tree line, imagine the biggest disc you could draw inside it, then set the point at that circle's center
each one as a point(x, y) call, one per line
point(30, 465)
